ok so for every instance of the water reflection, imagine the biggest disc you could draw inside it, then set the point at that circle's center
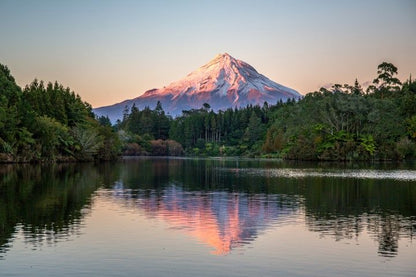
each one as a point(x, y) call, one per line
point(45, 203)
point(221, 203)
point(221, 220)
point(332, 204)
point(405, 175)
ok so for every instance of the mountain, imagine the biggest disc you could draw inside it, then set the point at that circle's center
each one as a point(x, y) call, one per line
point(224, 82)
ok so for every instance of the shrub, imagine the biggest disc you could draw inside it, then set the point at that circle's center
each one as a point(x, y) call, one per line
point(405, 148)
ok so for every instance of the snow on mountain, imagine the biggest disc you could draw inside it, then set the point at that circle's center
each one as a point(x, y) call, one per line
point(224, 82)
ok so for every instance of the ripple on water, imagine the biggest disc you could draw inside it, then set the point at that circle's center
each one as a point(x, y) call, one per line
point(402, 175)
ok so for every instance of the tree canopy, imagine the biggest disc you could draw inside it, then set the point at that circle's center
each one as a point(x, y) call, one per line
point(50, 122)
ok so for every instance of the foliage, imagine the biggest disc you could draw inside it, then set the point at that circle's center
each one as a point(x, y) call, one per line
point(51, 136)
point(230, 132)
point(151, 122)
point(49, 123)
point(342, 123)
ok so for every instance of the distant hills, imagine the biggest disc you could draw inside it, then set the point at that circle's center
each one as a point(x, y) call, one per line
point(224, 82)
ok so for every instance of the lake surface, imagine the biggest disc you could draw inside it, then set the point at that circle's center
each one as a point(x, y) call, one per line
point(207, 217)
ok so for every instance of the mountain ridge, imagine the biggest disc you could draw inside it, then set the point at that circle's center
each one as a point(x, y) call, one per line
point(224, 82)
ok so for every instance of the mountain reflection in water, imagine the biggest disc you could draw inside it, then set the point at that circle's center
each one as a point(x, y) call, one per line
point(221, 203)
point(219, 219)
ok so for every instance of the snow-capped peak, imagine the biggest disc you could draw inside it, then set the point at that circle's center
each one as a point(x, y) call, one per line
point(222, 74)
point(223, 82)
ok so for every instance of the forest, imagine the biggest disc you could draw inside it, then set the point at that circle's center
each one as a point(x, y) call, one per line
point(47, 122)
point(341, 123)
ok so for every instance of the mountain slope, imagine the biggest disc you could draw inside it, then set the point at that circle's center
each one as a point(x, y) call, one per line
point(223, 82)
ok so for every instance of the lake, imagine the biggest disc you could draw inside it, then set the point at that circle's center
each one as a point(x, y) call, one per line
point(208, 217)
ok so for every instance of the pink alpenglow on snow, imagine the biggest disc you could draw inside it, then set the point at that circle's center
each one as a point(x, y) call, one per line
point(223, 83)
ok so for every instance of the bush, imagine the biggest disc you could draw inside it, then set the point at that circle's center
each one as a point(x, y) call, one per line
point(111, 146)
point(159, 148)
point(302, 149)
point(174, 148)
point(51, 136)
point(405, 148)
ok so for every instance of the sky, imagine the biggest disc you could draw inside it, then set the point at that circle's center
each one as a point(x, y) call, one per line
point(109, 51)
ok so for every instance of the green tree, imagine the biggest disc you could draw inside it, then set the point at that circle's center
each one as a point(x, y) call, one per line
point(51, 136)
point(104, 121)
point(385, 84)
point(87, 143)
point(254, 129)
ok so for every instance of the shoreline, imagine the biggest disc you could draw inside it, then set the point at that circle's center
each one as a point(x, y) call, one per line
point(64, 160)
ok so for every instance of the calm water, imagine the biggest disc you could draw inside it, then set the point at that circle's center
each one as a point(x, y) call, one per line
point(214, 217)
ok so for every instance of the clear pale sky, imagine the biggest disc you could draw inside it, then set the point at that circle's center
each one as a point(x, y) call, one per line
point(109, 51)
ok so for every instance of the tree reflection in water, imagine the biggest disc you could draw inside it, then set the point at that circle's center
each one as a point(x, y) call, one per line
point(45, 202)
point(221, 208)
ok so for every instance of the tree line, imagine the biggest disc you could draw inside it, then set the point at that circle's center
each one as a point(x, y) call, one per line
point(347, 123)
point(344, 122)
point(197, 132)
point(47, 122)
